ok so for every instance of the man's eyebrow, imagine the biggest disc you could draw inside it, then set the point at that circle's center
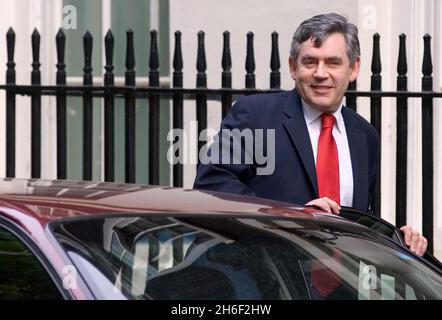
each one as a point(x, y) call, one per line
point(308, 57)
point(328, 59)
point(334, 59)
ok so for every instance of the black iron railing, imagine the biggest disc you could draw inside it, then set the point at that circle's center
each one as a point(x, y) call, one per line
point(201, 94)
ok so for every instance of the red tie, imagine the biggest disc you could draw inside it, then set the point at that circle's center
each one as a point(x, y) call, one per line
point(324, 280)
point(327, 162)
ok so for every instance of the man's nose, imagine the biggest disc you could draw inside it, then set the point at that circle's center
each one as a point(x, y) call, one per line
point(320, 71)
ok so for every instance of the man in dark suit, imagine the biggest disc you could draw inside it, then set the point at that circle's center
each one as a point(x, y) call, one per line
point(321, 152)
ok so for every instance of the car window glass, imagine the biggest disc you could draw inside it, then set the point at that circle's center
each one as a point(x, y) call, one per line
point(369, 221)
point(21, 274)
point(207, 257)
point(168, 258)
point(384, 228)
point(369, 276)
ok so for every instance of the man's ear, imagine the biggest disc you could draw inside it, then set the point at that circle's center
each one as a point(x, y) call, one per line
point(355, 68)
point(292, 65)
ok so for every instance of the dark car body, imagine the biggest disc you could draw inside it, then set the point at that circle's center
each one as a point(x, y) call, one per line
point(95, 240)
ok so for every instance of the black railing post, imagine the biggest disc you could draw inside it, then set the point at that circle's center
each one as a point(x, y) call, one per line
point(61, 107)
point(109, 140)
point(350, 100)
point(35, 108)
point(376, 115)
point(401, 136)
point(427, 145)
point(154, 112)
point(178, 110)
point(275, 64)
point(250, 62)
point(130, 108)
point(87, 108)
point(10, 106)
point(226, 77)
point(201, 82)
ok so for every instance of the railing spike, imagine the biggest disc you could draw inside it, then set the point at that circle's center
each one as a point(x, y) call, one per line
point(35, 44)
point(87, 47)
point(201, 64)
point(226, 61)
point(154, 56)
point(250, 62)
point(226, 76)
point(427, 64)
point(402, 58)
point(10, 43)
point(376, 58)
point(35, 41)
point(275, 64)
point(130, 53)
point(178, 55)
point(109, 52)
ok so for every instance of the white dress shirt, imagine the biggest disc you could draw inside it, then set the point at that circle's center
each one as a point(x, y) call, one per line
point(313, 121)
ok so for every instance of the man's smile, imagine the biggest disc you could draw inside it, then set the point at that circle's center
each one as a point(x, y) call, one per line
point(321, 88)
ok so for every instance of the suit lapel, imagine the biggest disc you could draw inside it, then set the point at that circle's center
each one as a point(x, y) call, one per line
point(298, 133)
point(357, 143)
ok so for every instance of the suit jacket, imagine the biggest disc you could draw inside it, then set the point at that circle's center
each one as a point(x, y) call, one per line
point(294, 178)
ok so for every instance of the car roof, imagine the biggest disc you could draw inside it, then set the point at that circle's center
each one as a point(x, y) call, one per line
point(30, 201)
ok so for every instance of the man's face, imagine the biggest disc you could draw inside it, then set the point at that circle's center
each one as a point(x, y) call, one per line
point(322, 74)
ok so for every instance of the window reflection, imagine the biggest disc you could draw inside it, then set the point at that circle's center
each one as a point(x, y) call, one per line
point(206, 257)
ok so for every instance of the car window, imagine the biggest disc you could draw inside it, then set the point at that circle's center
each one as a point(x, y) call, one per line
point(369, 221)
point(218, 257)
point(385, 286)
point(340, 277)
point(384, 228)
point(21, 274)
point(168, 258)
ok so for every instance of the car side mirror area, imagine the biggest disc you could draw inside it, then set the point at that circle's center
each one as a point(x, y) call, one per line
point(427, 255)
point(372, 222)
point(384, 227)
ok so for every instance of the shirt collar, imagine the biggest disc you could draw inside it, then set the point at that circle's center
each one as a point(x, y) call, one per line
point(311, 114)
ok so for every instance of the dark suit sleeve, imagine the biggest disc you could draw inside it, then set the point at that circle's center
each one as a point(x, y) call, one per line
point(228, 177)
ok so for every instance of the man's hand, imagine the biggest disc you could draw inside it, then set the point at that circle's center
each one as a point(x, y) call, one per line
point(325, 204)
point(416, 241)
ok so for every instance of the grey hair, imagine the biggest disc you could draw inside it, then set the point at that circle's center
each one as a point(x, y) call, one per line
point(320, 27)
